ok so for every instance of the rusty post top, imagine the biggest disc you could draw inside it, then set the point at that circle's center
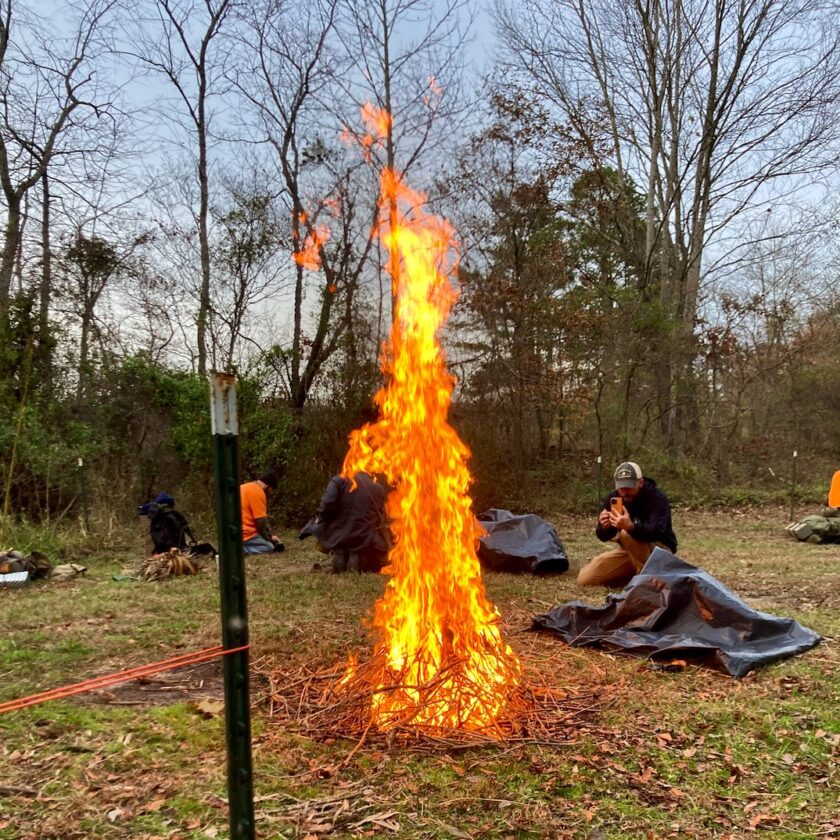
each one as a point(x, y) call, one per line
point(223, 418)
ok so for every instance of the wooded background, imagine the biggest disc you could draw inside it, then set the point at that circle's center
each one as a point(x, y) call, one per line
point(644, 196)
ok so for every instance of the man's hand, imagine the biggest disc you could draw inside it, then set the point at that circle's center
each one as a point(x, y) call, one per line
point(604, 519)
point(620, 521)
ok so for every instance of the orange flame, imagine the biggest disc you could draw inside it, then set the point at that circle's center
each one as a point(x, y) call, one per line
point(378, 122)
point(309, 254)
point(443, 660)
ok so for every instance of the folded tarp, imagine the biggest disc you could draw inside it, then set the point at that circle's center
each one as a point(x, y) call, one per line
point(520, 543)
point(674, 610)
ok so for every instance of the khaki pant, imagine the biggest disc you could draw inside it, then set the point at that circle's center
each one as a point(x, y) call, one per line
point(617, 566)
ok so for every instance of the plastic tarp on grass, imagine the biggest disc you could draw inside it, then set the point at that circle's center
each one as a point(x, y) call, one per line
point(674, 610)
point(522, 543)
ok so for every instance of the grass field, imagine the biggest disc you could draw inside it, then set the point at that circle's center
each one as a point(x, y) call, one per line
point(691, 753)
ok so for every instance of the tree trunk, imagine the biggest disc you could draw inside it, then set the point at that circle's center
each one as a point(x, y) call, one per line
point(298, 307)
point(11, 241)
point(204, 245)
point(44, 363)
point(84, 345)
point(393, 218)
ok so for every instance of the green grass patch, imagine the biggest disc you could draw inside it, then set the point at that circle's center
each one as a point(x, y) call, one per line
point(686, 754)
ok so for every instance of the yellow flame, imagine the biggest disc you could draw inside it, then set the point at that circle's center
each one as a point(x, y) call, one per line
point(444, 663)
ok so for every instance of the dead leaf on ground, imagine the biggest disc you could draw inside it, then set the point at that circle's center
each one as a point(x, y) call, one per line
point(455, 832)
point(758, 819)
point(210, 708)
point(154, 806)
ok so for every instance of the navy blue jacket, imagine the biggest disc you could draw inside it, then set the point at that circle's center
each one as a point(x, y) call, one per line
point(651, 515)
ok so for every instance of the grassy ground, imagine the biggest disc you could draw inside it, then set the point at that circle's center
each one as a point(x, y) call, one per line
point(685, 754)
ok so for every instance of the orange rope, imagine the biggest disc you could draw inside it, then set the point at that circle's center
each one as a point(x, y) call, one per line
point(120, 676)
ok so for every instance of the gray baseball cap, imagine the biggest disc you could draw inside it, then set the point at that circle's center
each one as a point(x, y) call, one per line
point(627, 474)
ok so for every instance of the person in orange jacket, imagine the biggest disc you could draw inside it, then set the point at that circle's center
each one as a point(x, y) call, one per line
point(834, 491)
point(257, 536)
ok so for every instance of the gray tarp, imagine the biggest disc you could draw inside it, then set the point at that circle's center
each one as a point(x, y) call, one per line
point(674, 610)
point(520, 543)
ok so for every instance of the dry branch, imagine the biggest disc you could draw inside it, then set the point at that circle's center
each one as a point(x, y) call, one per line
point(323, 705)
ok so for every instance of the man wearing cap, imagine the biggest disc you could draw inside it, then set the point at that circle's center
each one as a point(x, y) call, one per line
point(257, 537)
point(637, 516)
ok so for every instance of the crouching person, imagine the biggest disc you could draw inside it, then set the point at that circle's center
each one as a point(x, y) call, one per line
point(351, 524)
point(168, 527)
point(637, 517)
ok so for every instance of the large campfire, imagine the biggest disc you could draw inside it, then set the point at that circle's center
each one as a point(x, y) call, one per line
point(440, 660)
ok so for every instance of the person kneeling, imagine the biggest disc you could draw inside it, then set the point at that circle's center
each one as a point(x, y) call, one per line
point(637, 516)
point(257, 536)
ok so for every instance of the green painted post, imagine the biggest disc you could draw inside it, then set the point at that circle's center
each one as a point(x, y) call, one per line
point(234, 608)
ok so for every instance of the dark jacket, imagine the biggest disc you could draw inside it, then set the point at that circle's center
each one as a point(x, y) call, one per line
point(169, 529)
point(651, 515)
point(351, 519)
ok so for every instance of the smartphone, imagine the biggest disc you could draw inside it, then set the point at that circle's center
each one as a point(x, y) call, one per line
point(617, 505)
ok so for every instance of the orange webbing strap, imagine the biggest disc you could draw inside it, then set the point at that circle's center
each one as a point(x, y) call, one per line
point(120, 676)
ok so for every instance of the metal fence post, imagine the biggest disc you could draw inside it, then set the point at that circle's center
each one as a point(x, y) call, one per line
point(225, 428)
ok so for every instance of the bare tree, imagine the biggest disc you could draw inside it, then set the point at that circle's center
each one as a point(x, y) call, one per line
point(177, 43)
point(407, 61)
point(283, 71)
point(48, 88)
point(247, 250)
point(712, 107)
point(407, 58)
point(89, 264)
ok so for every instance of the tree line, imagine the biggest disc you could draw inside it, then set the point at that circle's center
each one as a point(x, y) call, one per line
point(642, 194)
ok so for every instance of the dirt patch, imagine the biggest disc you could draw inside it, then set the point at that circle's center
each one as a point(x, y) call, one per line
point(781, 590)
point(190, 683)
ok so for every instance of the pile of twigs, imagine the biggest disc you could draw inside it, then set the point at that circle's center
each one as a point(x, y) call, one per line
point(171, 564)
point(320, 704)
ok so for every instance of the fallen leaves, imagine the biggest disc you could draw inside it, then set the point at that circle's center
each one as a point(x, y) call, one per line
point(356, 809)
